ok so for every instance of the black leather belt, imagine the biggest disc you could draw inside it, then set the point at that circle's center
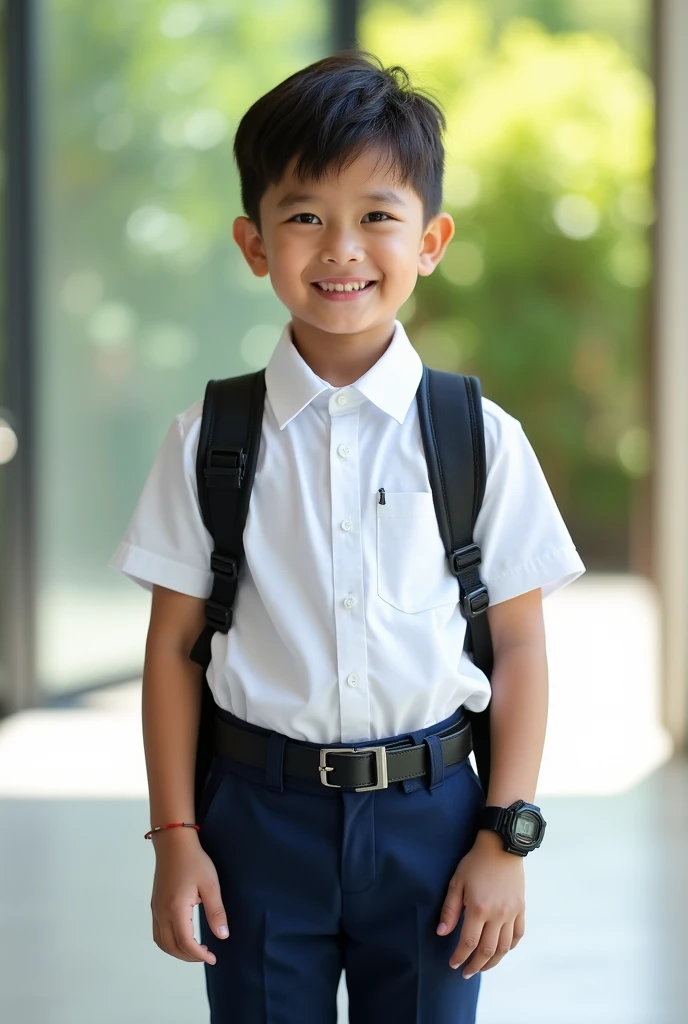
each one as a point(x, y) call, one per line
point(358, 768)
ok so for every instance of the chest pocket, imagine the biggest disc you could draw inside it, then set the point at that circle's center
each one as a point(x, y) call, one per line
point(413, 574)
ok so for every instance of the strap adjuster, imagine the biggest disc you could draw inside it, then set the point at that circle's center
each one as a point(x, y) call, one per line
point(475, 602)
point(465, 558)
point(380, 764)
point(224, 565)
point(221, 463)
point(217, 616)
point(474, 598)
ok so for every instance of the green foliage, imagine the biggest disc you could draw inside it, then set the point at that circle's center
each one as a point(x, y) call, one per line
point(543, 290)
point(144, 293)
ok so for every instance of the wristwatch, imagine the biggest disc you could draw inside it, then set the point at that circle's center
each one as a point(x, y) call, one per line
point(520, 825)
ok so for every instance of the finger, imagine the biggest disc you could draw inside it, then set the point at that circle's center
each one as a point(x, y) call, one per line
point(471, 932)
point(211, 899)
point(484, 951)
point(168, 943)
point(519, 929)
point(184, 938)
point(451, 908)
point(187, 949)
point(504, 944)
point(156, 932)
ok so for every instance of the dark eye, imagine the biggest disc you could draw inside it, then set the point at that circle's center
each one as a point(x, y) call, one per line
point(378, 213)
point(303, 215)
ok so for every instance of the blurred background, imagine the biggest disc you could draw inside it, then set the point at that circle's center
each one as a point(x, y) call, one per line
point(564, 290)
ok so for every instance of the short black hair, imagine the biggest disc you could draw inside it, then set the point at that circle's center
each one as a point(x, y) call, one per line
point(327, 114)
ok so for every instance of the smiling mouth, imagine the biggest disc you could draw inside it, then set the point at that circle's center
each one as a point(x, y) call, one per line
point(339, 291)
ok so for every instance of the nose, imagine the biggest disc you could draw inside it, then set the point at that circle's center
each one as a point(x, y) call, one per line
point(341, 247)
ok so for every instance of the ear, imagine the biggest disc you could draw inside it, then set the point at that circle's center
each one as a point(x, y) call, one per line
point(437, 237)
point(245, 234)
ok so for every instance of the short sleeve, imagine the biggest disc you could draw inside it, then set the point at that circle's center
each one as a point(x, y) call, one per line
point(166, 541)
point(524, 541)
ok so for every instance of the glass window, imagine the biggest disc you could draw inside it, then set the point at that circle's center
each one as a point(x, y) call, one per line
point(144, 294)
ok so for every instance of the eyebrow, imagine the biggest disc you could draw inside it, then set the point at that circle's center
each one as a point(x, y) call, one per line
point(385, 195)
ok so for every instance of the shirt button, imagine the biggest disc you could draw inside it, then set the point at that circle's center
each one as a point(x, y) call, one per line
point(347, 524)
point(352, 679)
point(344, 450)
point(341, 399)
point(349, 602)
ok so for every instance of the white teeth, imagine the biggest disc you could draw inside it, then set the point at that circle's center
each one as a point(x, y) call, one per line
point(342, 287)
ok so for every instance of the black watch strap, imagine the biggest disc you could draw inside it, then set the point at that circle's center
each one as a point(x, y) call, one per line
point(492, 817)
point(500, 820)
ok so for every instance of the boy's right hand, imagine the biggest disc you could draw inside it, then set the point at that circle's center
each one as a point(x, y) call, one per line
point(184, 877)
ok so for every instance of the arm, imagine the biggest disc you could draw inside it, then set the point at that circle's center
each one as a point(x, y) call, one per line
point(489, 881)
point(518, 711)
point(171, 708)
point(171, 702)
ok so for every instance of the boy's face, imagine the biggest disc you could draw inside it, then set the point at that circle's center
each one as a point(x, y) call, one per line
point(335, 230)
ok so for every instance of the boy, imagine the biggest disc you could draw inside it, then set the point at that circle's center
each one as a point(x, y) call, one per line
point(346, 624)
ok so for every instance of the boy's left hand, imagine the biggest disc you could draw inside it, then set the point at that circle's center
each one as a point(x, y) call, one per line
point(491, 884)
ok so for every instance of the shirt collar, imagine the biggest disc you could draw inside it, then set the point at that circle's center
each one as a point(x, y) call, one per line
point(390, 383)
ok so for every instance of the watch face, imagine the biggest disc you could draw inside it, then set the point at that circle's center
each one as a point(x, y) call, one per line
point(527, 827)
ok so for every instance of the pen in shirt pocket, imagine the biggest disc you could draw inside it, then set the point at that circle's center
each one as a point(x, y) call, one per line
point(381, 492)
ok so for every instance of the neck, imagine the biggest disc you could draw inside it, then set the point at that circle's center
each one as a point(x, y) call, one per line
point(340, 359)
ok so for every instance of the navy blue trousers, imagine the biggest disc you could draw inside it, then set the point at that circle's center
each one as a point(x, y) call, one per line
point(316, 880)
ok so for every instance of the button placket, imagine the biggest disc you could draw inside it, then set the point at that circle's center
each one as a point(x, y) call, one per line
point(350, 632)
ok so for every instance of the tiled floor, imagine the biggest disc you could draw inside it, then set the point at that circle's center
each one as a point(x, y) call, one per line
point(606, 893)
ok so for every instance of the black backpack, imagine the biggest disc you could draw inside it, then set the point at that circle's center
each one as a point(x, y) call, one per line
point(451, 421)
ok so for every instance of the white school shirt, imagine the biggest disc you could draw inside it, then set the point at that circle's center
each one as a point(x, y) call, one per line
point(346, 620)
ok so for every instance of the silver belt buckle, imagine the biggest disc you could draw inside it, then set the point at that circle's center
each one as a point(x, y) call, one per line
point(380, 765)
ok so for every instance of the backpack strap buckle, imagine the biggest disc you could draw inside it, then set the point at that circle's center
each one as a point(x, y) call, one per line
point(226, 569)
point(474, 597)
point(465, 558)
point(225, 467)
point(224, 565)
point(217, 616)
point(475, 602)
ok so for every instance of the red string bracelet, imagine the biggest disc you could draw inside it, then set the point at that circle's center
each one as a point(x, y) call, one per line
point(174, 824)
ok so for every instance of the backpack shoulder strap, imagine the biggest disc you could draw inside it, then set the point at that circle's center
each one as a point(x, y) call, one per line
point(452, 429)
point(226, 459)
point(225, 467)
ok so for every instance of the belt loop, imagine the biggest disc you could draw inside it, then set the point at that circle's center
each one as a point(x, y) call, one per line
point(274, 761)
point(411, 785)
point(434, 745)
